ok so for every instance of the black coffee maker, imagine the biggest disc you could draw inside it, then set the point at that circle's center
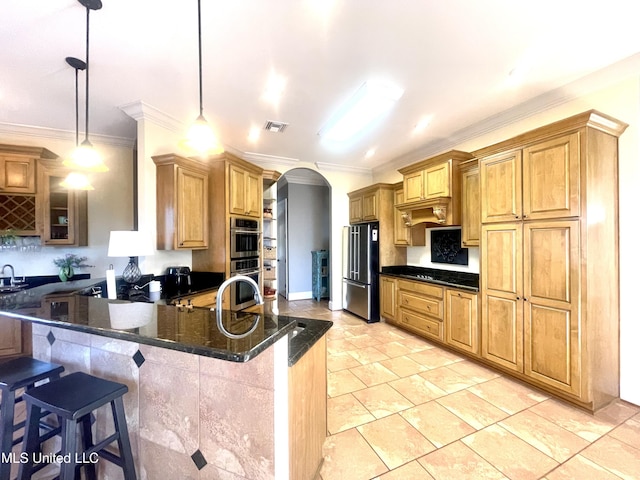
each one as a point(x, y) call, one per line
point(178, 279)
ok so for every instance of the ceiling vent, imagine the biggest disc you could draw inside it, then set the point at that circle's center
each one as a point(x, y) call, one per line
point(273, 126)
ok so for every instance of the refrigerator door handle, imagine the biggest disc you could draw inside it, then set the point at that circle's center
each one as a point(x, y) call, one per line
point(357, 254)
point(354, 284)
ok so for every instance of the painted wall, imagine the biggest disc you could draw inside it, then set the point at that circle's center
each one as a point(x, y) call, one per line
point(110, 205)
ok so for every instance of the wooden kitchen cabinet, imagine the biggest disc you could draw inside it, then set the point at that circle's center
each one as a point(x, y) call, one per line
point(403, 235)
point(421, 308)
point(365, 204)
point(64, 211)
point(182, 203)
point(388, 298)
point(461, 320)
point(245, 192)
point(355, 210)
point(10, 337)
point(17, 174)
point(549, 257)
point(431, 182)
point(470, 214)
point(538, 181)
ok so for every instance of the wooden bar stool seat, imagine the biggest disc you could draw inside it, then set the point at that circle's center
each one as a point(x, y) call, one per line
point(73, 398)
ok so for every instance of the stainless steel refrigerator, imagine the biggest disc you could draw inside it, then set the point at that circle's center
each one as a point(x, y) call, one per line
point(360, 271)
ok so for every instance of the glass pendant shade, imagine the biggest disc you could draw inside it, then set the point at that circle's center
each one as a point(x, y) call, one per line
point(76, 181)
point(85, 157)
point(202, 139)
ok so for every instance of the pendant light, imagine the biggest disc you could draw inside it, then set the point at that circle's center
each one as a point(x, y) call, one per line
point(85, 156)
point(76, 180)
point(200, 136)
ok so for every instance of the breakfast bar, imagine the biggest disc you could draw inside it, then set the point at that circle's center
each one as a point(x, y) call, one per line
point(203, 401)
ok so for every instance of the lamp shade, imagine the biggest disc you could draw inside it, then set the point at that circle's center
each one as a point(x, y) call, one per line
point(123, 243)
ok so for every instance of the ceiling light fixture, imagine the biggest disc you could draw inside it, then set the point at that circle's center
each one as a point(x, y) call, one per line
point(85, 156)
point(423, 123)
point(76, 180)
point(369, 103)
point(200, 136)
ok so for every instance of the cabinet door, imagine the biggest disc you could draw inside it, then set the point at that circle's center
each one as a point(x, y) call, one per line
point(10, 336)
point(388, 298)
point(355, 209)
point(370, 206)
point(401, 233)
point(501, 268)
point(461, 320)
point(192, 211)
point(253, 195)
point(413, 186)
point(17, 174)
point(551, 179)
point(437, 181)
point(64, 212)
point(501, 187)
point(471, 208)
point(551, 301)
point(236, 190)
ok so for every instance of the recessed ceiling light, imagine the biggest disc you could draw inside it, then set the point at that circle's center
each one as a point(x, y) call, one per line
point(254, 134)
point(422, 124)
point(370, 153)
point(372, 100)
point(275, 88)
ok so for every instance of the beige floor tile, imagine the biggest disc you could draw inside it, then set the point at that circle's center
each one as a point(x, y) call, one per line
point(382, 400)
point(514, 457)
point(434, 358)
point(347, 456)
point(616, 456)
point(383, 437)
point(339, 383)
point(341, 361)
point(571, 418)
point(367, 355)
point(549, 438)
point(388, 333)
point(447, 379)
point(345, 412)
point(507, 395)
point(417, 389)
point(472, 409)
point(628, 432)
point(403, 366)
point(339, 345)
point(373, 374)
point(438, 424)
point(580, 468)
point(393, 349)
point(458, 462)
point(617, 412)
point(409, 471)
point(476, 372)
point(417, 344)
point(363, 341)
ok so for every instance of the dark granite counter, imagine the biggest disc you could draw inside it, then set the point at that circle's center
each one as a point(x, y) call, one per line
point(448, 278)
point(190, 330)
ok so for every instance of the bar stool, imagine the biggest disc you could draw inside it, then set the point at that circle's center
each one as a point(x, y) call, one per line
point(73, 398)
point(22, 372)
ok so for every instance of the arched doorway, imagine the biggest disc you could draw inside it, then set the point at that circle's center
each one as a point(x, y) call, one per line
point(304, 226)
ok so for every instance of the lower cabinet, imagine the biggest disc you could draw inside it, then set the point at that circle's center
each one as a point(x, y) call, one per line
point(388, 298)
point(461, 320)
point(420, 308)
point(10, 337)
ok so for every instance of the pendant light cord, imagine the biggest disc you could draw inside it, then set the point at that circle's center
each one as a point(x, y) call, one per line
point(200, 54)
point(86, 113)
point(77, 114)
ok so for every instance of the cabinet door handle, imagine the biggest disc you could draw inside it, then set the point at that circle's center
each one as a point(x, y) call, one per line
point(525, 299)
point(524, 216)
point(517, 298)
point(517, 216)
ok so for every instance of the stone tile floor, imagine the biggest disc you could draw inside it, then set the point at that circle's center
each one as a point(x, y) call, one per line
point(401, 408)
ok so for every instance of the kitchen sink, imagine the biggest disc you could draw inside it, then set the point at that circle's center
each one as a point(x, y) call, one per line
point(298, 329)
point(13, 288)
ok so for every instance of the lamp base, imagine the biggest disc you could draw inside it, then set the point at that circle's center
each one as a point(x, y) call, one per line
point(131, 272)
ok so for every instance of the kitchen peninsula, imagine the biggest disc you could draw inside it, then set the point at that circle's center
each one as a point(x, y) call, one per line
point(202, 403)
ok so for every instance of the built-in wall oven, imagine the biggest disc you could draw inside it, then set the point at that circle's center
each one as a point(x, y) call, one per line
point(242, 294)
point(245, 238)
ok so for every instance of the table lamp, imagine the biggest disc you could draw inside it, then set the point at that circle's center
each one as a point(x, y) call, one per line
point(130, 244)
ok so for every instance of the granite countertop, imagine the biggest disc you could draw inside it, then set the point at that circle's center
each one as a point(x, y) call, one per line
point(192, 330)
point(448, 278)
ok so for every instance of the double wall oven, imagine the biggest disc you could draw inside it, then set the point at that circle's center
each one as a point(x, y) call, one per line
point(245, 260)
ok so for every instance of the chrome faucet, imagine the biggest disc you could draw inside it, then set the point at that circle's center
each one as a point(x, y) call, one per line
point(13, 273)
point(229, 281)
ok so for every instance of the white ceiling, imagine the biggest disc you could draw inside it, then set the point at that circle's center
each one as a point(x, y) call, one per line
point(453, 59)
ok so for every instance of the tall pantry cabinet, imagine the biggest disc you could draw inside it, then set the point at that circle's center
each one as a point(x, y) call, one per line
point(549, 257)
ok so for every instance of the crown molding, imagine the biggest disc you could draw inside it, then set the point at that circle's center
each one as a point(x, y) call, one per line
point(140, 110)
point(336, 167)
point(310, 177)
point(269, 160)
point(64, 135)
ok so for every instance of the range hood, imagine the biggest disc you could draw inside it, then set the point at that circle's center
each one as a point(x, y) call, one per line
point(435, 212)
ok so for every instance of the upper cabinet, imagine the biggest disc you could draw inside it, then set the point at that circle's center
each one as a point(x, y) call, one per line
point(431, 190)
point(539, 181)
point(245, 191)
point(364, 204)
point(470, 214)
point(182, 205)
point(405, 235)
point(17, 174)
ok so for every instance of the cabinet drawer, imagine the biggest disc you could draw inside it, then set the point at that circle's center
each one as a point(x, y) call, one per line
point(420, 287)
point(426, 305)
point(429, 326)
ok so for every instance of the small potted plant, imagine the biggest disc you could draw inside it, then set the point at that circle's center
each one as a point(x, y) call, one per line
point(67, 264)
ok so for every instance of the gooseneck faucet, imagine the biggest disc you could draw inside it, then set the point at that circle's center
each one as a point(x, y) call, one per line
point(13, 273)
point(229, 281)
